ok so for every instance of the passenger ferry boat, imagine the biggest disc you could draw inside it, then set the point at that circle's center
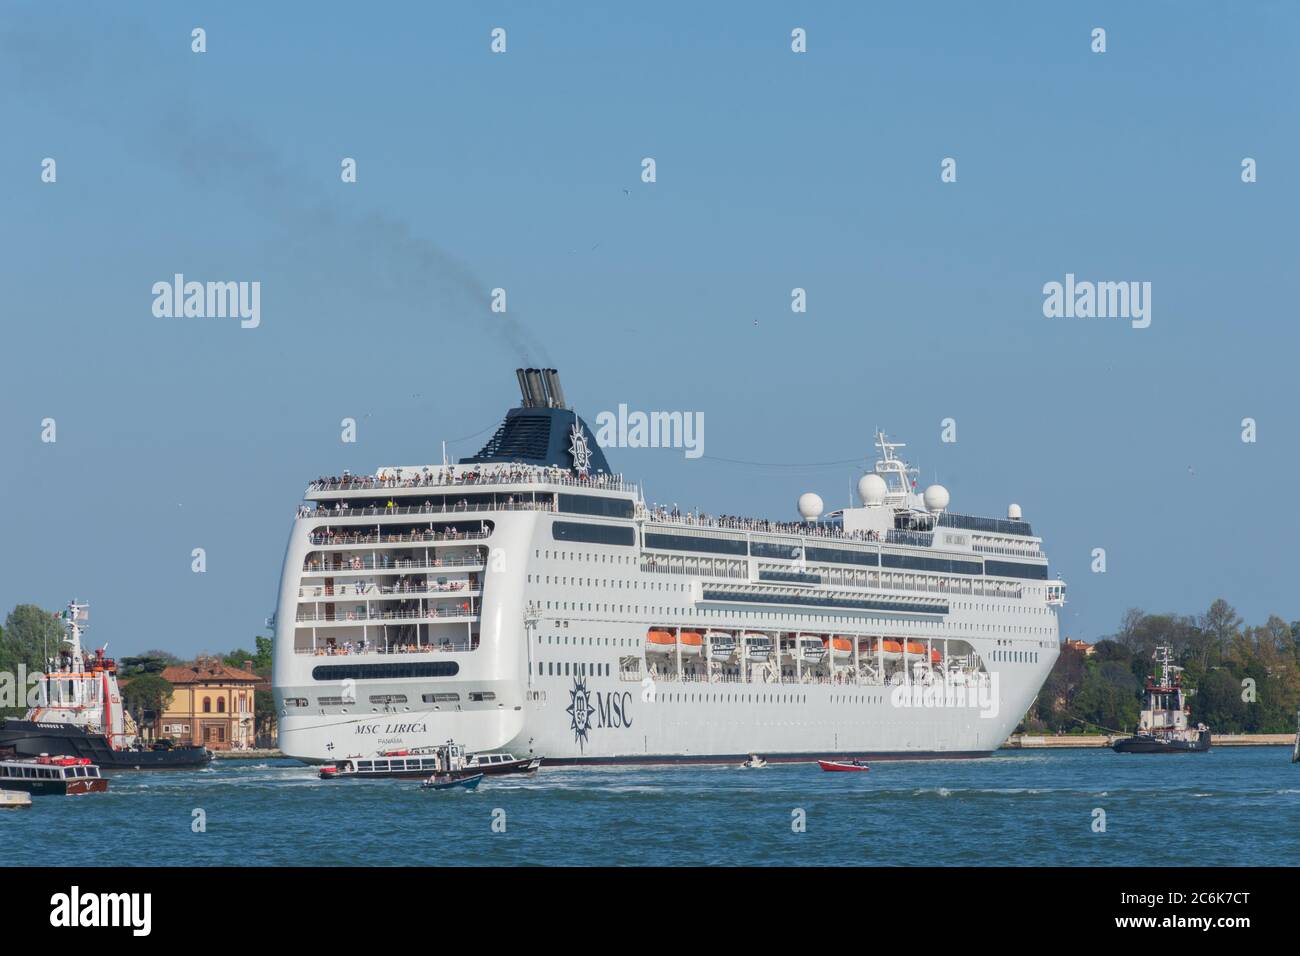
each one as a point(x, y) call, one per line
point(447, 759)
point(80, 711)
point(528, 599)
point(66, 776)
point(1163, 727)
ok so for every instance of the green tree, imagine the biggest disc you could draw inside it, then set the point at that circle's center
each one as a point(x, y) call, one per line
point(1219, 626)
point(264, 716)
point(237, 657)
point(1218, 703)
point(30, 635)
point(150, 662)
point(1108, 697)
point(146, 695)
point(262, 661)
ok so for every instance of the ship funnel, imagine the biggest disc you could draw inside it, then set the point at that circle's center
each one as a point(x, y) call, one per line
point(523, 387)
point(553, 390)
point(531, 387)
point(536, 388)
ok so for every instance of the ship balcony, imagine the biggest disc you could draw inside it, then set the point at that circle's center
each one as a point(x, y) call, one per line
point(469, 476)
point(378, 592)
point(445, 645)
point(371, 539)
point(424, 510)
point(386, 563)
point(320, 618)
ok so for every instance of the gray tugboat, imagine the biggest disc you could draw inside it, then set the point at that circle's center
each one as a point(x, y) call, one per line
point(1163, 727)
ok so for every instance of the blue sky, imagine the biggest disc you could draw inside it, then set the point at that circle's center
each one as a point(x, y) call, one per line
point(775, 170)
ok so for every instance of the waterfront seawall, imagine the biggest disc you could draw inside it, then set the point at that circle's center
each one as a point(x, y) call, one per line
point(1048, 741)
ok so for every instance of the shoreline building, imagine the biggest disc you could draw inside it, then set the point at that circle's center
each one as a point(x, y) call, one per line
point(212, 705)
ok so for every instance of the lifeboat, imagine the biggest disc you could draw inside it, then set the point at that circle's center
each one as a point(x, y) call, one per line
point(915, 649)
point(935, 656)
point(841, 647)
point(810, 650)
point(758, 647)
point(887, 650)
point(691, 642)
point(722, 646)
point(660, 642)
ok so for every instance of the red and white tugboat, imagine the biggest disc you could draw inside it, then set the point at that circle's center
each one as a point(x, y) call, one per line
point(66, 776)
point(1163, 727)
point(80, 712)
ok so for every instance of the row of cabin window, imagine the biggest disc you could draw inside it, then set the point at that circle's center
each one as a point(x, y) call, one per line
point(553, 669)
point(1016, 657)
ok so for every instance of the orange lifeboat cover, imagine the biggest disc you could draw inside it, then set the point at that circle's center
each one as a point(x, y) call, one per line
point(692, 639)
point(660, 637)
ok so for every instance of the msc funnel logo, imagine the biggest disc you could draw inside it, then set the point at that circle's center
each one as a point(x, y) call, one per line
point(579, 711)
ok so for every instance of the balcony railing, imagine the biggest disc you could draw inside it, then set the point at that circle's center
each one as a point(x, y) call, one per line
point(326, 514)
point(414, 537)
point(471, 477)
point(388, 563)
point(352, 617)
point(375, 591)
point(693, 519)
point(349, 649)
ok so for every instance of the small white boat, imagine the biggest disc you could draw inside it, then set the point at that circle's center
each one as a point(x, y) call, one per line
point(758, 647)
point(660, 642)
point(755, 762)
point(15, 800)
point(807, 650)
point(722, 646)
point(841, 647)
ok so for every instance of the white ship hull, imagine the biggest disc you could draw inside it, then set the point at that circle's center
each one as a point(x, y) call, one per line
point(589, 712)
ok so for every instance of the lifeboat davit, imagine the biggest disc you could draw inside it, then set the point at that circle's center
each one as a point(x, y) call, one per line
point(841, 647)
point(722, 646)
point(660, 642)
point(886, 650)
point(690, 643)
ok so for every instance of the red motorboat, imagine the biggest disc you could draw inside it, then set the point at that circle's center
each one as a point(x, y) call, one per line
point(843, 765)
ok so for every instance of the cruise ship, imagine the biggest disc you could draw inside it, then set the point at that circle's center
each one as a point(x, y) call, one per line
point(529, 600)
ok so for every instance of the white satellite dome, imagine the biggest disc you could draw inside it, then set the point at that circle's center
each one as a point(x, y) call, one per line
point(872, 490)
point(810, 506)
point(935, 498)
point(1013, 511)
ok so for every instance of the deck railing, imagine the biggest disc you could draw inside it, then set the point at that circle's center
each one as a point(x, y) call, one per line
point(386, 563)
point(414, 537)
point(327, 514)
point(381, 616)
point(472, 478)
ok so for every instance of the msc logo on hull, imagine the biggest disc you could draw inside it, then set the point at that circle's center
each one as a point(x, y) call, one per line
point(591, 710)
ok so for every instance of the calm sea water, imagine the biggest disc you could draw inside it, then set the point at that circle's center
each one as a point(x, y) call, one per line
point(1233, 806)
